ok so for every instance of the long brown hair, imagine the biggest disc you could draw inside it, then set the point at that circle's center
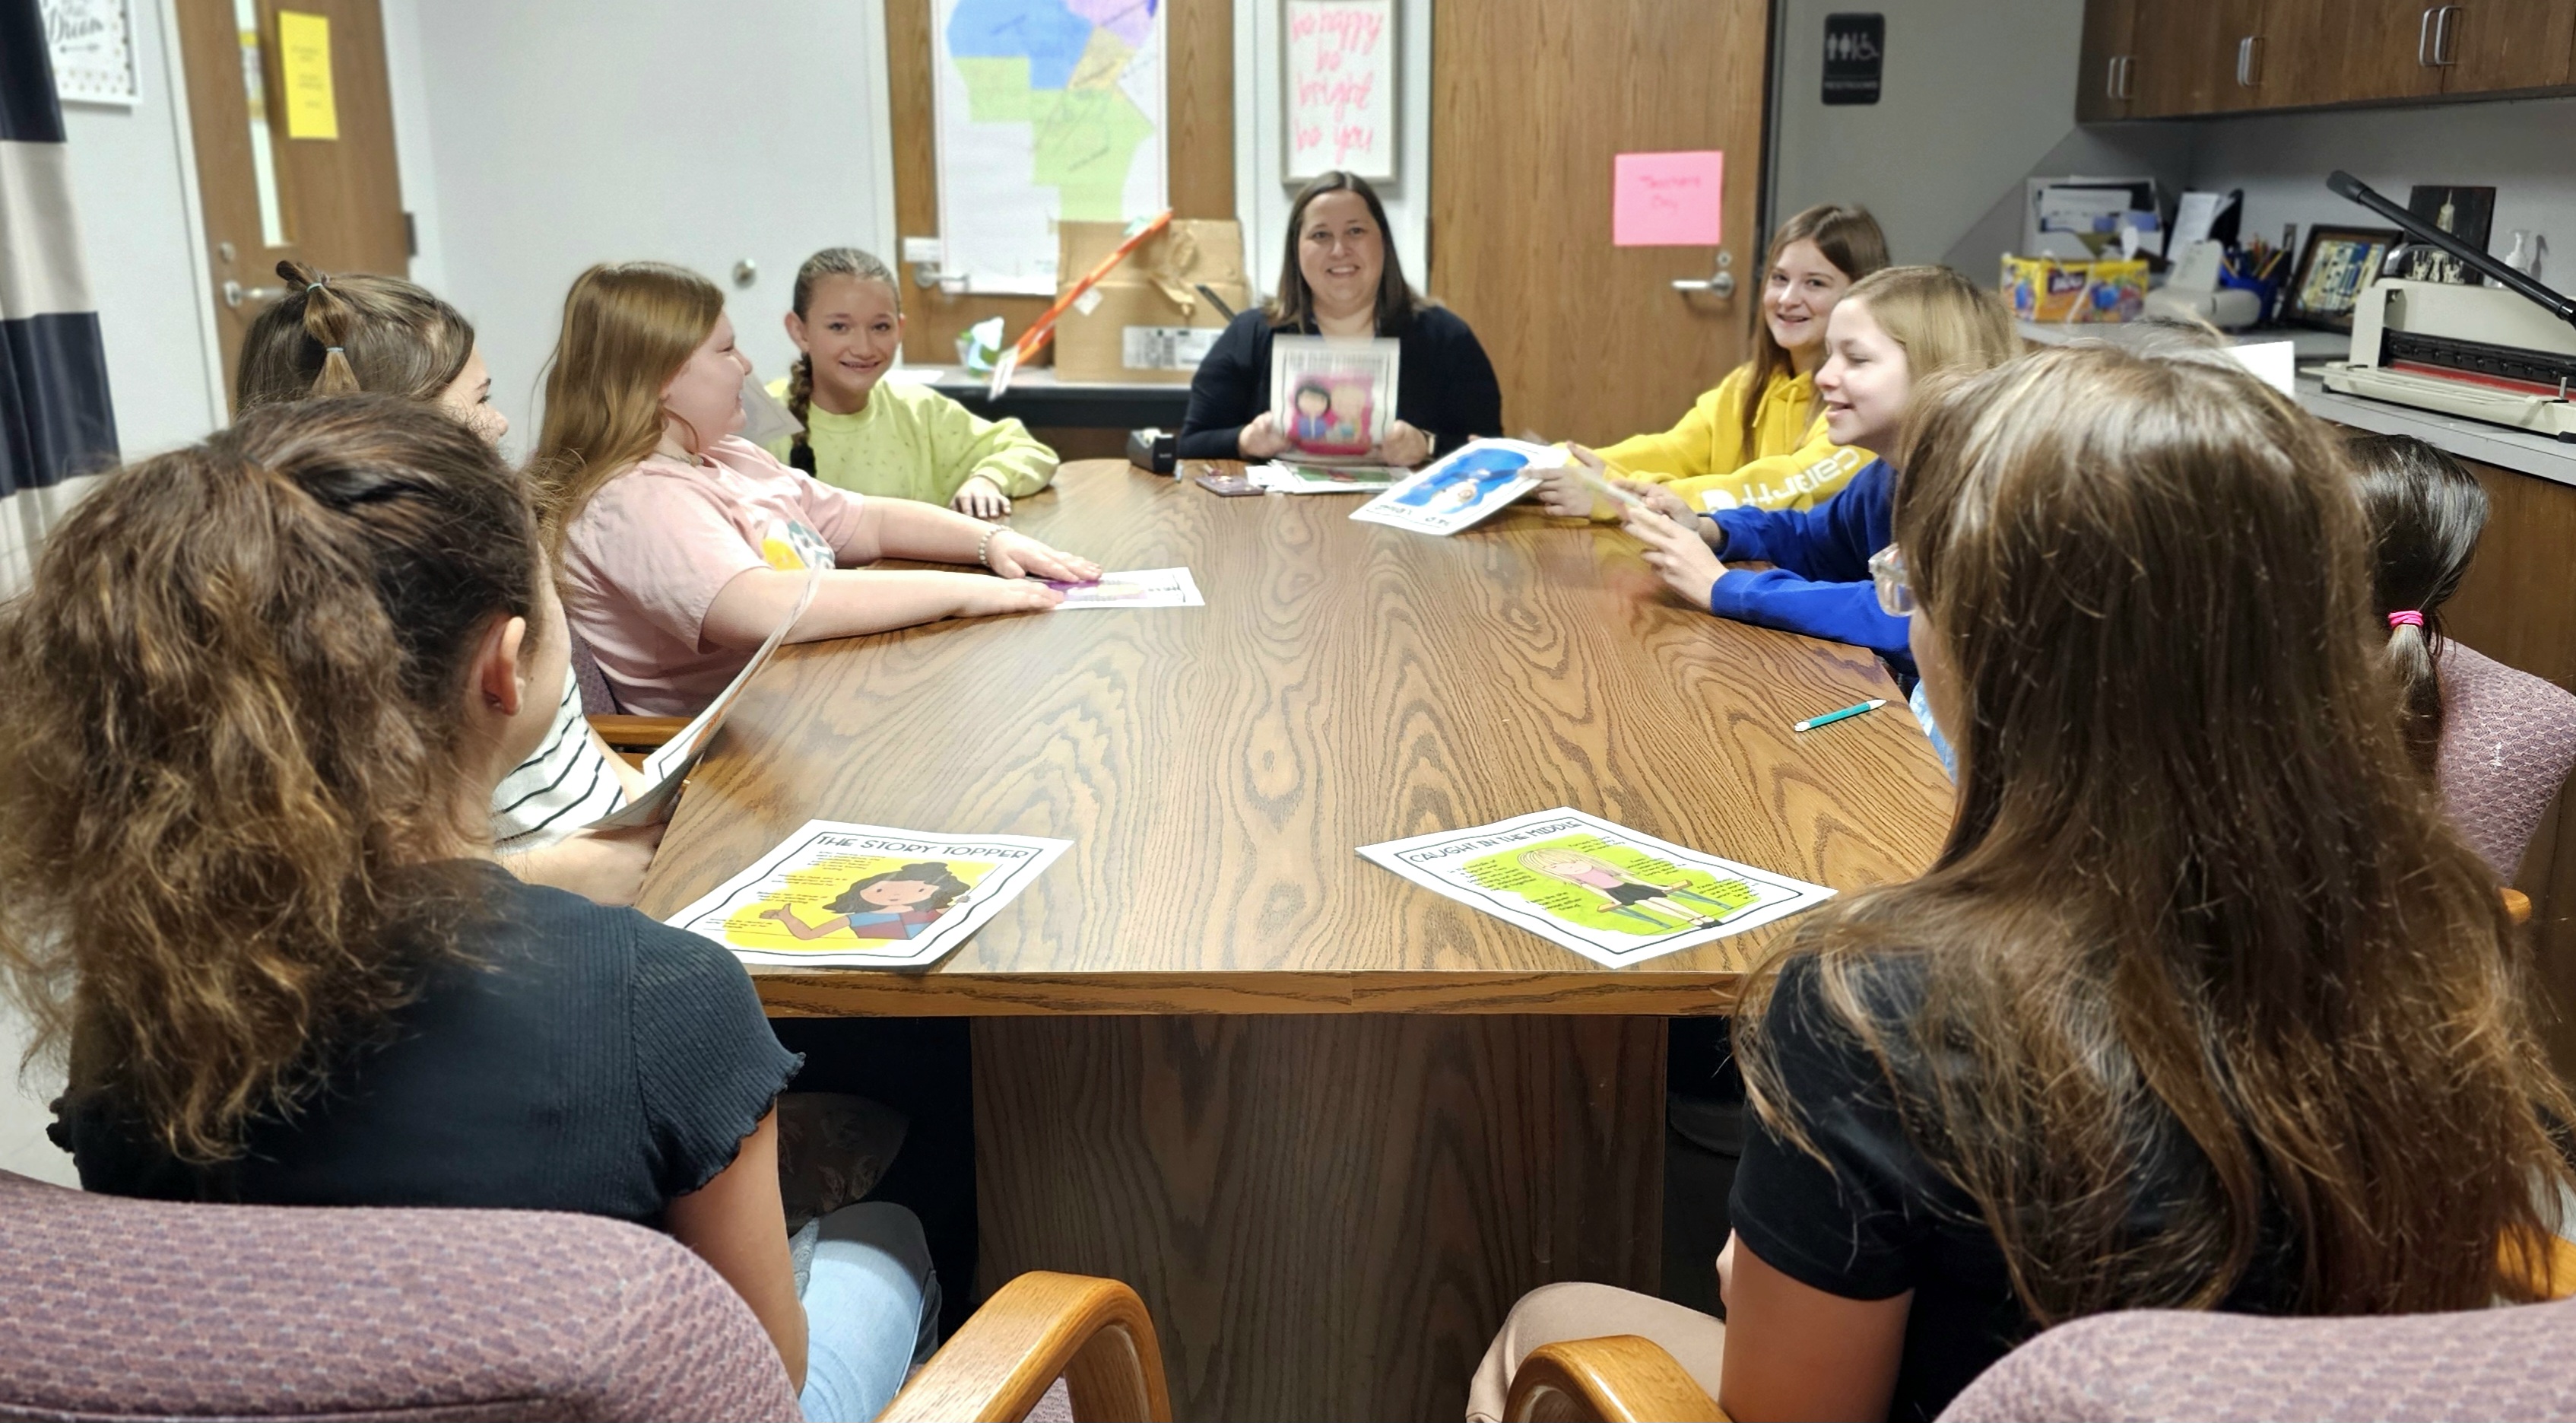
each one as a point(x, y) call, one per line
point(337, 335)
point(2195, 901)
point(228, 739)
point(830, 262)
point(1294, 305)
point(2425, 512)
point(628, 327)
point(1850, 239)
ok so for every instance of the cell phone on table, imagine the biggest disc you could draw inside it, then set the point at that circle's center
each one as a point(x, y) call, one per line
point(1229, 485)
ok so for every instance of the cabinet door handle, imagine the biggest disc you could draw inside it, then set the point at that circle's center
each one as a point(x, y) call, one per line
point(2248, 56)
point(2128, 77)
point(2446, 48)
point(2111, 78)
point(2424, 37)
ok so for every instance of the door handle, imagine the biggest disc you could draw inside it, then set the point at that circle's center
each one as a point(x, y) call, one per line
point(235, 293)
point(2424, 37)
point(2128, 77)
point(1719, 284)
point(2249, 52)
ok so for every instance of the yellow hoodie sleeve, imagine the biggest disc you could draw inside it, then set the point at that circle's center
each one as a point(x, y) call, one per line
point(1802, 478)
point(1709, 439)
point(964, 444)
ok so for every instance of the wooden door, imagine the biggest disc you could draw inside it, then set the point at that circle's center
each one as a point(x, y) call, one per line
point(335, 202)
point(1531, 99)
point(2106, 78)
point(2507, 44)
point(1198, 107)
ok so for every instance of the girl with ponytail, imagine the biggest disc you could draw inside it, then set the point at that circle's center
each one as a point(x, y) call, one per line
point(246, 875)
point(899, 440)
point(2497, 741)
point(337, 334)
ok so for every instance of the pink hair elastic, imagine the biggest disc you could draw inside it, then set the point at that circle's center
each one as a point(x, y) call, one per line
point(2405, 618)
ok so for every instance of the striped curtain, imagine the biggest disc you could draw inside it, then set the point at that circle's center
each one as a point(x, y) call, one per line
point(57, 429)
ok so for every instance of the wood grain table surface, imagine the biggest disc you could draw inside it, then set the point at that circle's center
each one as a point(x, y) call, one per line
point(1347, 683)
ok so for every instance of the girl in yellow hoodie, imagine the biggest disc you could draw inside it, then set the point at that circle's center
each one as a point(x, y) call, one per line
point(1757, 441)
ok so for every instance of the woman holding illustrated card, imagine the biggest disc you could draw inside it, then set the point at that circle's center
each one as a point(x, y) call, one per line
point(1343, 283)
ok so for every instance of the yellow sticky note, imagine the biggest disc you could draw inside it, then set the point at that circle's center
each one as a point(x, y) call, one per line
point(304, 61)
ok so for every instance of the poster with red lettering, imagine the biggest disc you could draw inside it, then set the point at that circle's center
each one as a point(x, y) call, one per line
point(1340, 87)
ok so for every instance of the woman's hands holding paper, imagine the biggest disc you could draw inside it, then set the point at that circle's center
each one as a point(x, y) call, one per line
point(1676, 552)
point(1404, 446)
point(1261, 439)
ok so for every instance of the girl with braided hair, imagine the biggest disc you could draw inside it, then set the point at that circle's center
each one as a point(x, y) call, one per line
point(898, 439)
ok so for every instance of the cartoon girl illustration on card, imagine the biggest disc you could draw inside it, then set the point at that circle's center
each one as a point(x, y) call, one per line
point(1467, 480)
point(1313, 423)
point(901, 903)
point(1659, 906)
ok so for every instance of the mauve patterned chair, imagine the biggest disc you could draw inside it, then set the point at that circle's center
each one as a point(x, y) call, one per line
point(2517, 1363)
point(2508, 741)
point(125, 1309)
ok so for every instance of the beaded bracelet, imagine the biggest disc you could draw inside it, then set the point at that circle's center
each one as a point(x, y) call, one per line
point(983, 551)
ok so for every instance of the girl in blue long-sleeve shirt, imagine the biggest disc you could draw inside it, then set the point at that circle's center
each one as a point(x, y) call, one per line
point(1886, 335)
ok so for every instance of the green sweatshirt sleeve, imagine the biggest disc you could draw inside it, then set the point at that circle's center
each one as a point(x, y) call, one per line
point(964, 444)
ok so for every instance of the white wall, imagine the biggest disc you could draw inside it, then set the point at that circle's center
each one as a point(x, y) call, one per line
point(1974, 93)
point(1261, 200)
point(562, 135)
point(2521, 149)
point(133, 176)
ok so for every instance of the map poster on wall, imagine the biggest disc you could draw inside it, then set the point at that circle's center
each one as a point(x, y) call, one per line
point(92, 43)
point(1340, 88)
point(1048, 111)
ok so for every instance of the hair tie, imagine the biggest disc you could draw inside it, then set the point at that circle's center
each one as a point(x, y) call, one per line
point(313, 287)
point(343, 350)
point(2405, 618)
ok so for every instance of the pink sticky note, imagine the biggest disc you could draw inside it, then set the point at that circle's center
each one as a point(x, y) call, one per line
point(1667, 199)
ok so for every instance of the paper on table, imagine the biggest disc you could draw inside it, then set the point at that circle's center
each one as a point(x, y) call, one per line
point(1283, 477)
point(1667, 199)
point(670, 765)
point(1479, 478)
point(1139, 588)
point(2275, 363)
point(867, 896)
point(1614, 895)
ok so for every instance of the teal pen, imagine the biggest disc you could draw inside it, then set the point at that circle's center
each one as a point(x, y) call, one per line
point(1830, 718)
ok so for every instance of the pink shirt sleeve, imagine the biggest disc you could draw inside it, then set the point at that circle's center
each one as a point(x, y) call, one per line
point(828, 510)
point(663, 547)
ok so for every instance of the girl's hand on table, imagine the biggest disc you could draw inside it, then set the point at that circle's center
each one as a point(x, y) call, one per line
point(1665, 502)
point(981, 498)
point(1261, 439)
point(1677, 554)
point(1562, 492)
point(989, 597)
point(1015, 555)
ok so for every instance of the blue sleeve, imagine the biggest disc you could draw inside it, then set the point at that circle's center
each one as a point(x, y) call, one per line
point(1228, 391)
point(1836, 612)
point(1830, 543)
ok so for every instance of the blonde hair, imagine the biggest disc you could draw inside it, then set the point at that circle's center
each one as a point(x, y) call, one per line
point(1850, 239)
point(628, 327)
point(1943, 320)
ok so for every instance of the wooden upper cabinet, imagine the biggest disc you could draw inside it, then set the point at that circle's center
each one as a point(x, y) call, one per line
point(2178, 58)
point(2490, 45)
point(2107, 82)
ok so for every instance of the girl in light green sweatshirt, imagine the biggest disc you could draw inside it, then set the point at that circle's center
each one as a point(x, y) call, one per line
point(896, 440)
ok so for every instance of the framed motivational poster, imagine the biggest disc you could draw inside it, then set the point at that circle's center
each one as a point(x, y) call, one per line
point(1339, 88)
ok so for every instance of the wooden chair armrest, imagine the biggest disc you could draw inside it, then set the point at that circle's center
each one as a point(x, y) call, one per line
point(2517, 905)
point(1091, 1332)
point(1613, 1380)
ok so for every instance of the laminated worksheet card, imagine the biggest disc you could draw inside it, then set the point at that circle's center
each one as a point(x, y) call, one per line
point(1287, 477)
point(1137, 588)
point(867, 896)
point(1614, 895)
point(1479, 478)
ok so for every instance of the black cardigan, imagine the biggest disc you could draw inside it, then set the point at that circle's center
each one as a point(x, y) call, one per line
point(1444, 385)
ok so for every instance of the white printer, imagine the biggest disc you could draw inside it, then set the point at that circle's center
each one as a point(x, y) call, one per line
point(2505, 354)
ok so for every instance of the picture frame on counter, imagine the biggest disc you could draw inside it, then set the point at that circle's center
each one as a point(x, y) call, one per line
point(2334, 267)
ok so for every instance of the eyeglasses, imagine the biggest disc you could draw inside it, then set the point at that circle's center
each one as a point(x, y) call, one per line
point(1887, 573)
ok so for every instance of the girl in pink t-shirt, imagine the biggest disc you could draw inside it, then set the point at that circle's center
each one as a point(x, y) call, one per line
point(665, 509)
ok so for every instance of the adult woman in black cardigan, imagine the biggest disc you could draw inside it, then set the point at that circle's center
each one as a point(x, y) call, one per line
point(1341, 278)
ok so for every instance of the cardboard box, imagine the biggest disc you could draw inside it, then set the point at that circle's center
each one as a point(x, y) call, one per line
point(1146, 322)
point(2055, 289)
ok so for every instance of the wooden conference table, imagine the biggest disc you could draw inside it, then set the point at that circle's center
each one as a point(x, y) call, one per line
point(1329, 1124)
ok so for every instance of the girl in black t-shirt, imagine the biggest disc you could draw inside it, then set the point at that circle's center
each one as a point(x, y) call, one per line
point(2203, 1005)
point(252, 711)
